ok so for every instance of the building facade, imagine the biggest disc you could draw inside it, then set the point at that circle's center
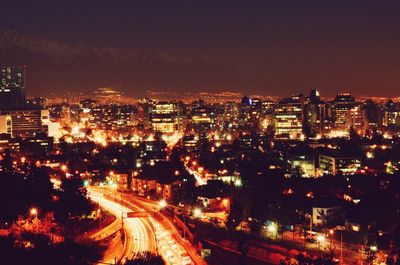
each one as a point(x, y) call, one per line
point(165, 117)
point(12, 87)
point(288, 117)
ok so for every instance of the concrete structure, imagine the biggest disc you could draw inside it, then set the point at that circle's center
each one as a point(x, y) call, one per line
point(335, 163)
point(165, 117)
point(288, 117)
point(5, 124)
point(323, 215)
point(26, 123)
point(12, 87)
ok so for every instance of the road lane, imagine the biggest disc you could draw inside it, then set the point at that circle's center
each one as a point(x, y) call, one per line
point(139, 236)
point(161, 237)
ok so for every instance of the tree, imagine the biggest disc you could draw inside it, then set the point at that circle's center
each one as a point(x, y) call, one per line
point(7, 162)
point(147, 258)
point(235, 215)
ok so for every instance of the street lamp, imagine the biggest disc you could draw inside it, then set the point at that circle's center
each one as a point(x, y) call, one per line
point(197, 212)
point(33, 212)
point(373, 248)
point(162, 204)
point(320, 239)
point(370, 155)
point(331, 232)
point(64, 168)
point(238, 183)
point(372, 253)
point(273, 229)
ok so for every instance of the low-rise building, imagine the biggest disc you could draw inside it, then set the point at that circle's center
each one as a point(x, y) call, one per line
point(324, 214)
point(332, 162)
point(143, 185)
point(170, 190)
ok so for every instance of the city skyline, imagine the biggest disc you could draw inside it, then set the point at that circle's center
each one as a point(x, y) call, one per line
point(200, 132)
point(263, 48)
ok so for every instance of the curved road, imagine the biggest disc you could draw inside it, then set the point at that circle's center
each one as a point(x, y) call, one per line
point(141, 234)
point(138, 232)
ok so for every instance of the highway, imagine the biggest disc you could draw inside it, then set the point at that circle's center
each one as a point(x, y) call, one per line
point(138, 232)
point(141, 234)
point(185, 248)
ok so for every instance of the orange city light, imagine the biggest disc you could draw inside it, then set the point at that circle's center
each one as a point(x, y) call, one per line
point(33, 211)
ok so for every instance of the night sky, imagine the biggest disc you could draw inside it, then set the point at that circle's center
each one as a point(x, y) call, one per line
point(260, 47)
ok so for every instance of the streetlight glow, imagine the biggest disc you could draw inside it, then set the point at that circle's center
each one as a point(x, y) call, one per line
point(238, 183)
point(321, 238)
point(33, 211)
point(162, 204)
point(272, 228)
point(197, 212)
point(64, 168)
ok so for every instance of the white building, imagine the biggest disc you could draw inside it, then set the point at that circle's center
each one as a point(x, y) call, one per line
point(5, 124)
point(323, 215)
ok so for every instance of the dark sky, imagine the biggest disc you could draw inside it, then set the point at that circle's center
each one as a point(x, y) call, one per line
point(263, 47)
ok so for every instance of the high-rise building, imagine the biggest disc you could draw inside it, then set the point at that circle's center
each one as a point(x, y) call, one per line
point(347, 113)
point(316, 115)
point(27, 123)
point(165, 117)
point(203, 116)
point(111, 116)
point(12, 87)
point(372, 113)
point(391, 114)
point(342, 106)
point(244, 109)
point(288, 116)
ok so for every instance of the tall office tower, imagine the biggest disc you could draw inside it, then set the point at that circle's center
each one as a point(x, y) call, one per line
point(12, 87)
point(165, 117)
point(288, 116)
point(315, 115)
point(230, 111)
point(244, 110)
point(372, 113)
point(347, 113)
point(391, 114)
point(203, 116)
point(342, 106)
point(267, 114)
point(255, 111)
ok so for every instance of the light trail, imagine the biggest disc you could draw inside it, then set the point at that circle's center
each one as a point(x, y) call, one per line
point(144, 234)
point(139, 236)
point(199, 179)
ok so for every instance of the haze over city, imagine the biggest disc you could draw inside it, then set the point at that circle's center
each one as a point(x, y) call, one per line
point(263, 47)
